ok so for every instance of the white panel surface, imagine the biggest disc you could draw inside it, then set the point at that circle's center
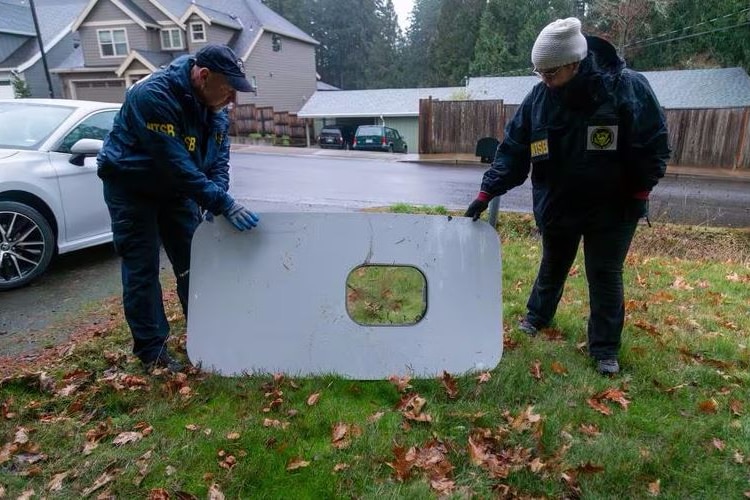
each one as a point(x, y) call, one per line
point(274, 299)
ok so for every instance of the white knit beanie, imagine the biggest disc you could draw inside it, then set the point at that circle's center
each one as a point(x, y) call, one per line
point(559, 43)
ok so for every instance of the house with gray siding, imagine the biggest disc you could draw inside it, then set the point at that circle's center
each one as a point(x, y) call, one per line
point(122, 41)
point(20, 56)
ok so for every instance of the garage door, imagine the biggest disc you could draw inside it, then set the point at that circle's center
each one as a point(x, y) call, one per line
point(6, 90)
point(100, 90)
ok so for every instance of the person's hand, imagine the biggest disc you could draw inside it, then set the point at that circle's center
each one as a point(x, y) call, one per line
point(639, 209)
point(476, 208)
point(638, 205)
point(208, 216)
point(240, 217)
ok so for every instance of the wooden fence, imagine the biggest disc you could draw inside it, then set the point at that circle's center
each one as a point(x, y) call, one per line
point(715, 138)
point(707, 138)
point(246, 119)
point(456, 126)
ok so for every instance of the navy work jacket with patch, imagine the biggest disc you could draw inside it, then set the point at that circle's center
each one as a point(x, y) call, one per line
point(592, 145)
point(165, 143)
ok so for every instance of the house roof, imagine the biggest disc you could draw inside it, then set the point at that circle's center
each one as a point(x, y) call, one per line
point(16, 19)
point(678, 89)
point(326, 86)
point(151, 59)
point(380, 102)
point(55, 19)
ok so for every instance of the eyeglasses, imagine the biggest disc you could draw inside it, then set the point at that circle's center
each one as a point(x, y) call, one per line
point(548, 73)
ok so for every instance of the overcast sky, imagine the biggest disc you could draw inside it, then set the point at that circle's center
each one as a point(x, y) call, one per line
point(403, 9)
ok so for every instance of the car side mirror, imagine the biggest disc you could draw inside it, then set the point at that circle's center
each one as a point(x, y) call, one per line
point(83, 148)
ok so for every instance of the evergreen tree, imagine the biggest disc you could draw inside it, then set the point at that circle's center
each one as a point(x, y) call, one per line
point(385, 66)
point(420, 37)
point(21, 89)
point(453, 49)
point(507, 33)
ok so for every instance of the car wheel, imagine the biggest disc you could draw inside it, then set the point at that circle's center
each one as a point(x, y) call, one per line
point(27, 244)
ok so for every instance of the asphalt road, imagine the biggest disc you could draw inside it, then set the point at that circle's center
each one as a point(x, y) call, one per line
point(268, 183)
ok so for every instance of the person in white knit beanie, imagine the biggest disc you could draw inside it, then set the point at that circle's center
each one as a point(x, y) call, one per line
point(594, 140)
point(557, 50)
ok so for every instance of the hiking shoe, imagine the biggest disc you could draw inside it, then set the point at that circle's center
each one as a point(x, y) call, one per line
point(164, 360)
point(527, 327)
point(607, 366)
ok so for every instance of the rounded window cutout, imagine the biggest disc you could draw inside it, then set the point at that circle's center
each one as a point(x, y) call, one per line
point(386, 295)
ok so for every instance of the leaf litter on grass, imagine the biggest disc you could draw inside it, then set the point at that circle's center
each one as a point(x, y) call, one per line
point(507, 440)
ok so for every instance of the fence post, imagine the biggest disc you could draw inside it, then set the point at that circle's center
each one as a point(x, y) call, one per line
point(492, 211)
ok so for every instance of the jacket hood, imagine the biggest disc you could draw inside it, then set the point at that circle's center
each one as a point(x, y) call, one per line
point(605, 55)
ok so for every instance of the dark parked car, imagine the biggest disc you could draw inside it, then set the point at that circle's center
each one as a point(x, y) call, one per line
point(336, 136)
point(377, 138)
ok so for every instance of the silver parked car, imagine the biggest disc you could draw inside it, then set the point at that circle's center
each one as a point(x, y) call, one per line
point(51, 200)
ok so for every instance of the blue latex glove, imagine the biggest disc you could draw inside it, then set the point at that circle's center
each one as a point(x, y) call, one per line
point(240, 217)
point(208, 216)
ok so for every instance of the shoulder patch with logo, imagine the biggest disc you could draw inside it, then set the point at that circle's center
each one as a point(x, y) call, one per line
point(601, 138)
point(539, 150)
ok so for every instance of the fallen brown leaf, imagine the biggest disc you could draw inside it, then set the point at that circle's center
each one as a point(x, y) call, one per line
point(106, 477)
point(127, 437)
point(215, 493)
point(375, 416)
point(340, 466)
point(401, 383)
point(450, 385)
point(735, 406)
point(233, 436)
point(339, 436)
point(590, 429)
point(558, 368)
point(536, 369)
point(708, 406)
point(718, 444)
point(483, 377)
point(56, 483)
point(654, 489)
point(313, 398)
point(296, 463)
point(599, 406)
point(443, 486)
point(158, 494)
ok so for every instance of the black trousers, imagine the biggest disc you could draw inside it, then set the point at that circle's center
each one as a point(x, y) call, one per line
point(604, 248)
point(140, 225)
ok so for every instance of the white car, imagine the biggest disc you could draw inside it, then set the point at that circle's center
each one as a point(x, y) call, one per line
point(51, 199)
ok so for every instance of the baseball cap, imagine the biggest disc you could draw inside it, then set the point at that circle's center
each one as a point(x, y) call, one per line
point(222, 59)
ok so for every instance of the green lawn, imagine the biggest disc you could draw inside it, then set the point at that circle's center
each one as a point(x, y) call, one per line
point(675, 423)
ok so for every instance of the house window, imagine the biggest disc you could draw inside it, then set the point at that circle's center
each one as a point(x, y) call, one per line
point(113, 43)
point(171, 39)
point(197, 32)
point(276, 43)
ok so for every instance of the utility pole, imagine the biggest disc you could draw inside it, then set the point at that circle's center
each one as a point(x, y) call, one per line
point(41, 49)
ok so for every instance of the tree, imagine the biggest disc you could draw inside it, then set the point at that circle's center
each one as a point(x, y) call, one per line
point(453, 49)
point(507, 33)
point(420, 37)
point(624, 21)
point(695, 34)
point(21, 89)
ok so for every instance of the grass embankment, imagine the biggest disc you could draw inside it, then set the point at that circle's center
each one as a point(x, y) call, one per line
point(675, 423)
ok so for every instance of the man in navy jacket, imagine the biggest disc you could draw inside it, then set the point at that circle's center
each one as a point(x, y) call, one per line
point(164, 163)
point(597, 139)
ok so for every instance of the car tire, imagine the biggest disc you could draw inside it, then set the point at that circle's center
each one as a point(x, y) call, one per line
point(27, 244)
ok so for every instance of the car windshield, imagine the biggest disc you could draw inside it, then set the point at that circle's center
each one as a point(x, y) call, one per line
point(26, 125)
point(370, 130)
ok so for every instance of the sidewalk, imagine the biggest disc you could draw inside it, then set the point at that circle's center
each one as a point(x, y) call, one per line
point(462, 159)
